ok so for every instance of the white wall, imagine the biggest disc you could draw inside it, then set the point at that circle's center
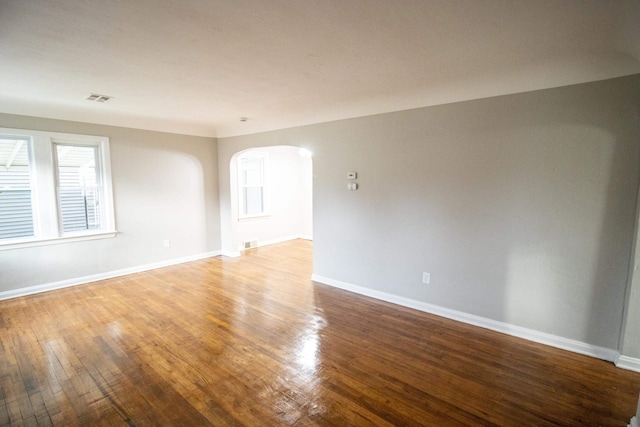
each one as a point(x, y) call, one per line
point(521, 207)
point(288, 178)
point(165, 187)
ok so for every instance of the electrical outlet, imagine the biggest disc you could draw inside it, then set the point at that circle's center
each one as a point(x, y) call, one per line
point(167, 243)
point(426, 278)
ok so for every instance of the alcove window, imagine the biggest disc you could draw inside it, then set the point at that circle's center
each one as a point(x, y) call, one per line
point(252, 188)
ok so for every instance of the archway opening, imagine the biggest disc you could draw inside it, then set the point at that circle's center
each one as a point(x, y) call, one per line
point(271, 191)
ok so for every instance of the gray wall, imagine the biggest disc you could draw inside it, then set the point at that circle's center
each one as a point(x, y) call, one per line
point(521, 207)
point(631, 343)
point(165, 187)
point(631, 327)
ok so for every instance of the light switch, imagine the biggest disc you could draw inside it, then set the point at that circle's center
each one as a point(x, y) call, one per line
point(352, 175)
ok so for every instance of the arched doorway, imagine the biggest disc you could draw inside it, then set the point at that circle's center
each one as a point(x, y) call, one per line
point(270, 196)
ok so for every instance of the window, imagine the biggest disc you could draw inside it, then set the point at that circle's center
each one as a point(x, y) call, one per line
point(79, 187)
point(53, 187)
point(16, 204)
point(251, 184)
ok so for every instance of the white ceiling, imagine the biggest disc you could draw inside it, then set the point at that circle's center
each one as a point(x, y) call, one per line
point(197, 66)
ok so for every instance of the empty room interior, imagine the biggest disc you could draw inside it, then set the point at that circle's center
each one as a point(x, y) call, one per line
point(363, 212)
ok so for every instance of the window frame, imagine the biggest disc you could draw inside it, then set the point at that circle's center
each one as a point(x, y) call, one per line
point(59, 187)
point(264, 158)
point(46, 210)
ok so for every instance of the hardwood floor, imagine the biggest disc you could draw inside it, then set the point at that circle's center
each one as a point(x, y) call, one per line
point(251, 341)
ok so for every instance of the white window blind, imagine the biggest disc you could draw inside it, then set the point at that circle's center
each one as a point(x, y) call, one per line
point(16, 205)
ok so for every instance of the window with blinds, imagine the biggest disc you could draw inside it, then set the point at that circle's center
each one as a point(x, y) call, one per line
point(79, 187)
point(16, 205)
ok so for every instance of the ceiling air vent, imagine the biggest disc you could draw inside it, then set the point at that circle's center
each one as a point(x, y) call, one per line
point(98, 98)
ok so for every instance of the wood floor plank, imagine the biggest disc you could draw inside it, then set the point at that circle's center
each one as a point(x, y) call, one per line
point(252, 341)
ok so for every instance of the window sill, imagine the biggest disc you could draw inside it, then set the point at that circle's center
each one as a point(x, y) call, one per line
point(254, 217)
point(57, 240)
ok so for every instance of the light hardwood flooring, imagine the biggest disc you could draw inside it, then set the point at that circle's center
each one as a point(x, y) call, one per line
point(252, 341)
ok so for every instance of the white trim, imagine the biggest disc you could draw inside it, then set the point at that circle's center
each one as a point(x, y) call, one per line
point(231, 254)
point(15, 293)
point(305, 237)
point(58, 240)
point(634, 422)
point(278, 240)
point(494, 325)
point(629, 363)
point(254, 217)
point(275, 241)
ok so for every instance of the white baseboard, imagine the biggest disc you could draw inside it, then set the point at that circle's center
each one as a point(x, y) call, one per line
point(634, 422)
point(278, 240)
point(262, 243)
point(15, 293)
point(506, 328)
point(630, 363)
point(230, 254)
point(235, 254)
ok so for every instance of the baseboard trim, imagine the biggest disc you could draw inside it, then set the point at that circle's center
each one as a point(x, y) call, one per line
point(629, 363)
point(494, 325)
point(274, 241)
point(16, 293)
point(230, 254)
point(278, 240)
